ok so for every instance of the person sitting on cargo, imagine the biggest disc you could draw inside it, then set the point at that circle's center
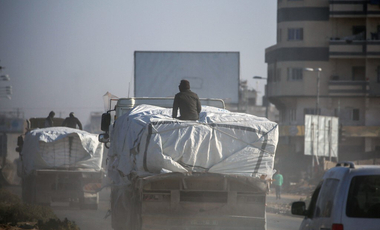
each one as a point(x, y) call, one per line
point(72, 122)
point(49, 120)
point(187, 102)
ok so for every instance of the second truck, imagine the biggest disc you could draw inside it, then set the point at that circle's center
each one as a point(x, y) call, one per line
point(60, 164)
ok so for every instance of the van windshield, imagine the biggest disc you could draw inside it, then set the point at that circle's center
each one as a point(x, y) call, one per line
point(364, 197)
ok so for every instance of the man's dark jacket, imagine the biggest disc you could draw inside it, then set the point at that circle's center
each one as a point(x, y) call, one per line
point(72, 122)
point(188, 104)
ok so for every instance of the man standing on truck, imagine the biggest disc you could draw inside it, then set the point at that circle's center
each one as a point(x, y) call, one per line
point(72, 122)
point(49, 120)
point(187, 102)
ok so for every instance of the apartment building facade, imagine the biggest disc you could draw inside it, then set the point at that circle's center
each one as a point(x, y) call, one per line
point(342, 39)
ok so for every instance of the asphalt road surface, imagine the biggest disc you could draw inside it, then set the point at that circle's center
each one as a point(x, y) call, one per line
point(282, 222)
point(95, 219)
point(87, 219)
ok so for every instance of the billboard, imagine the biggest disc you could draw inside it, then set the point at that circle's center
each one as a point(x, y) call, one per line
point(211, 74)
point(11, 125)
point(321, 135)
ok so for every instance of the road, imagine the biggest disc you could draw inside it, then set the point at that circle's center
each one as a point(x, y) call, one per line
point(94, 219)
point(87, 219)
point(282, 222)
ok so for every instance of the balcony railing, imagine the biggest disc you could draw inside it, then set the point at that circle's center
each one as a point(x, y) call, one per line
point(347, 48)
point(354, 8)
point(348, 131)
point(348, 88)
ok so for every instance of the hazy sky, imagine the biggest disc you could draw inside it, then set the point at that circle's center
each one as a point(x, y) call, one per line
point(65, 55)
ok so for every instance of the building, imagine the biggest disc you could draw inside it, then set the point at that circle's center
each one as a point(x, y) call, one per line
point(11, 126)
point(340, 41)
point(248, 103)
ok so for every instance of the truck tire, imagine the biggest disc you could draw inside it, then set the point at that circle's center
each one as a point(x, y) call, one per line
point(119, 215)
point(28, 187)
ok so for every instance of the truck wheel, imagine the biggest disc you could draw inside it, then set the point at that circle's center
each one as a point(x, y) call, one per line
point(119, 215)
point(28, 190)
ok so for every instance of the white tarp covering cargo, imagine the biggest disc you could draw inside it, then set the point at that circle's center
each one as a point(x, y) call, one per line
point(61, 148)
point(148, 140)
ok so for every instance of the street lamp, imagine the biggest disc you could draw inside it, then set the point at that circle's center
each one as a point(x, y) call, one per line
point(258, 77)
point(266, 96)
point(318, 70)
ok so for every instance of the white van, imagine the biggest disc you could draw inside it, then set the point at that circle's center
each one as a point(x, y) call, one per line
point(347, 198)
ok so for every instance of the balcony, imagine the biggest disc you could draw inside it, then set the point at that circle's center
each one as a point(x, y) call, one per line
point(355, 46)
point(354, 8)
point(348, 131)
point(348, 88)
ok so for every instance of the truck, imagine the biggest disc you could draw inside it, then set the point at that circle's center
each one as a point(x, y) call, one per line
point(60, 164)
point(167, 173)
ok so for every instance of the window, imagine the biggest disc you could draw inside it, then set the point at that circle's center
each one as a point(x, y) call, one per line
point(295, 34)
point(279, 35)
point(363, 197)
point(270, 75)
point(358, 73)
point(295, 74)
point(292, 114)
point(282, 114)
point(348, 114)
point(277, 76)
point(359, 32)
point(252, 101)
point(355, 115)
point(313, 201)
point(326, 198)
point(311, 111)
point(336, 112)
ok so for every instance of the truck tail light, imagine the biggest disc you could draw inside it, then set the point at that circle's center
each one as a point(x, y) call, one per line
point(337, 227)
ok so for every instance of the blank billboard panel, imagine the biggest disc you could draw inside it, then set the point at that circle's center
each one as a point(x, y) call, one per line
point(321, 135)
point(211, 74)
